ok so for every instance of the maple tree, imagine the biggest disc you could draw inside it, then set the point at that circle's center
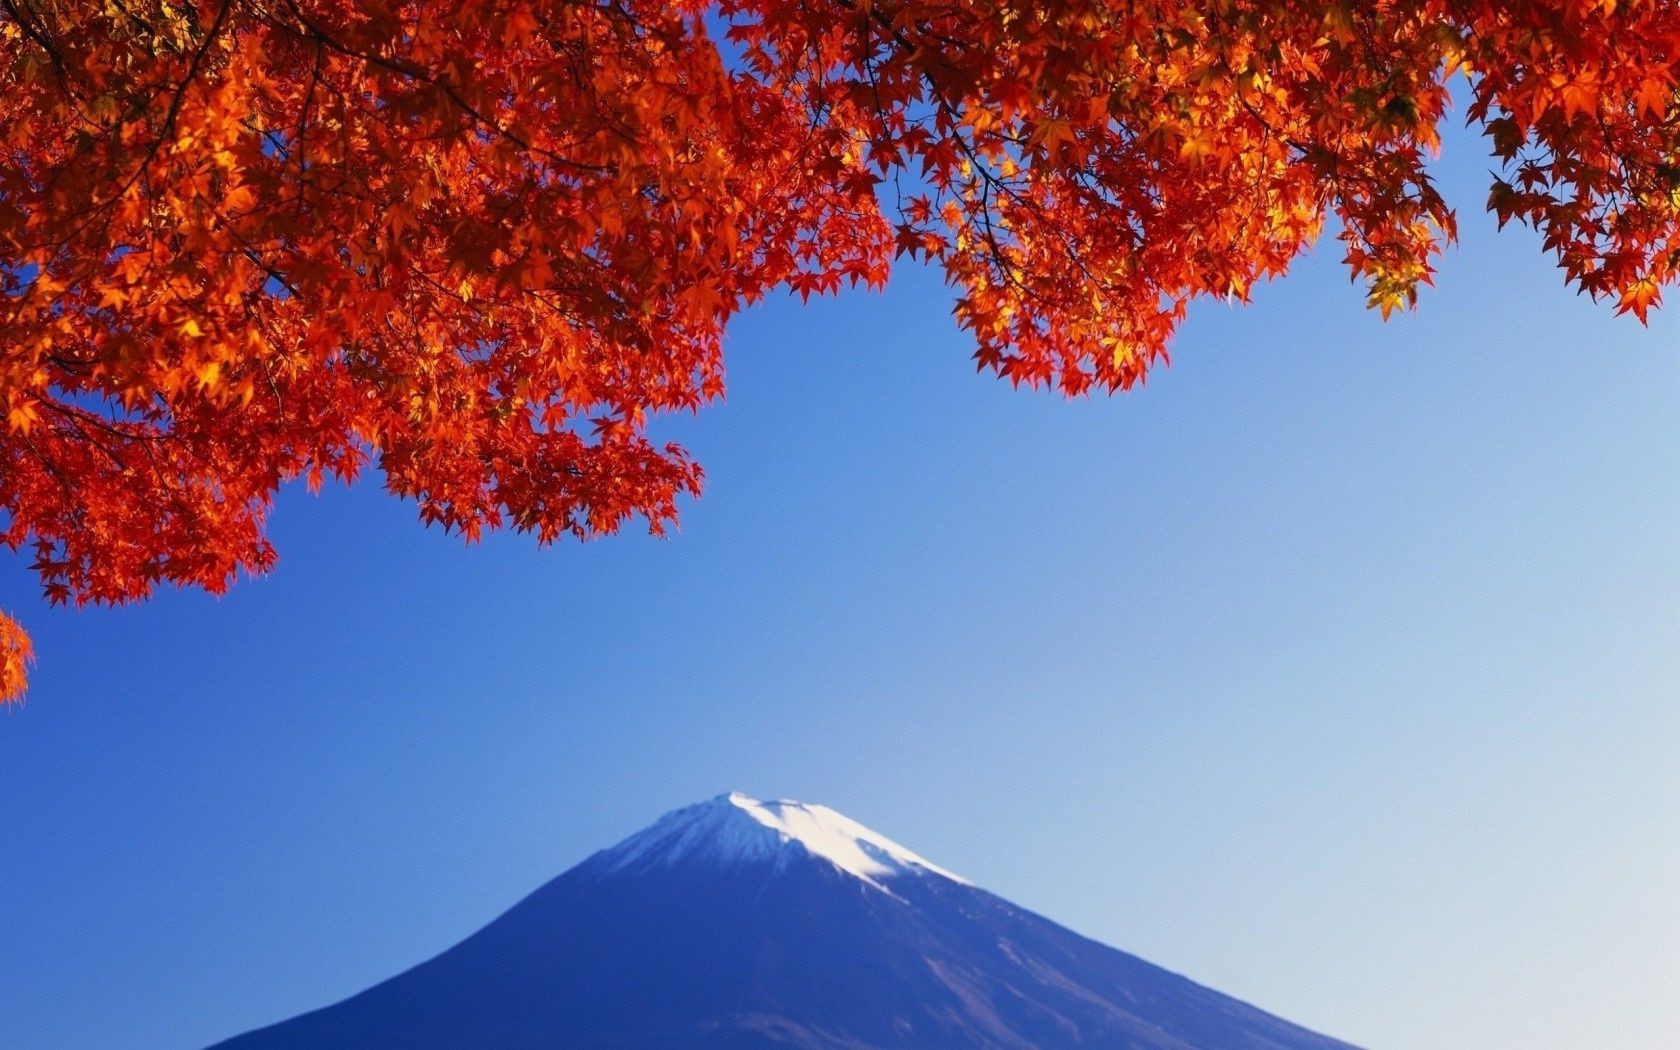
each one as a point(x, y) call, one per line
point(479, 243)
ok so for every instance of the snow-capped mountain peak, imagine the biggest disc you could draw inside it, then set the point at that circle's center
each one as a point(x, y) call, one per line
point(736, 829)
point(736, 923)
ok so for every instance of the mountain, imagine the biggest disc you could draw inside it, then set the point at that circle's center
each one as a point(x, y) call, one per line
point(740, 923)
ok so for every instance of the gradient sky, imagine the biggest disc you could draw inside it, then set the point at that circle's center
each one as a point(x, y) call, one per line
point(1336, 669)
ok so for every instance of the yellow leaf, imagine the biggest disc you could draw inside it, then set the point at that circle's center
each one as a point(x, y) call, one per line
point(21, 417)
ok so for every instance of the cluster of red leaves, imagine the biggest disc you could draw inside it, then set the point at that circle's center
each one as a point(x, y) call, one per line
point(480, 243)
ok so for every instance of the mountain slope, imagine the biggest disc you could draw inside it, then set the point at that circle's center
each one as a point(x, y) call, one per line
point(739, 923)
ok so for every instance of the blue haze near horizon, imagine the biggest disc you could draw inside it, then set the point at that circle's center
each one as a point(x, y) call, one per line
point(1336, 669)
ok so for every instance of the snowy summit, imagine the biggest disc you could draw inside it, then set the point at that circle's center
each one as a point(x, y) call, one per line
point(735, 829)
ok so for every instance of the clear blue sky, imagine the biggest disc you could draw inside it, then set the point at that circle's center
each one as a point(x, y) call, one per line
point(1337, 669)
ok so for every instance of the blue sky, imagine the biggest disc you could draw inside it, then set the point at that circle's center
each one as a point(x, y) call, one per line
point(1337, 669)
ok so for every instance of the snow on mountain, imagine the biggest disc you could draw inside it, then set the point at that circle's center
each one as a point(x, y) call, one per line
point(735, 829)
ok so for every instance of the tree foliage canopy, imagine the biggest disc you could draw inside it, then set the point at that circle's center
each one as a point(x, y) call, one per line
point(477, 243)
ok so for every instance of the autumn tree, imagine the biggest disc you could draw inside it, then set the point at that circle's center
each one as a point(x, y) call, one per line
point(477, 244)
